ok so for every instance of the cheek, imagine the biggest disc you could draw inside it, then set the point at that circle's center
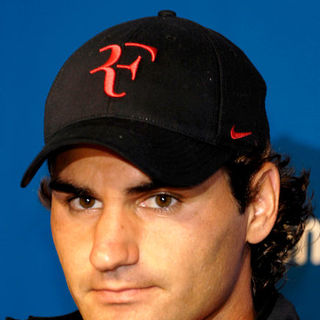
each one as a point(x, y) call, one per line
point(217, 265)
point(200, 257)
point(72, 243)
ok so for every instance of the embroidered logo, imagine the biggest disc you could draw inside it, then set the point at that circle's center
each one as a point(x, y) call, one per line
point(109, 66)
point(238, 135)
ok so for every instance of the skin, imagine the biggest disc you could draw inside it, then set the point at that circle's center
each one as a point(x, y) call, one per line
point(127, 255)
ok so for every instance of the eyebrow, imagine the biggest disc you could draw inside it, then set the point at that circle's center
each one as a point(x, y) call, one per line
point(144, 187)
point(57, 184)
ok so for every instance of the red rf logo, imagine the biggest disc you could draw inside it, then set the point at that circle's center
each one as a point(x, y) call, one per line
point(114, 57)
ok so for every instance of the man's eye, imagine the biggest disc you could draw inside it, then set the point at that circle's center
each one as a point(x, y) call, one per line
point(159, 201)
point(85, 203)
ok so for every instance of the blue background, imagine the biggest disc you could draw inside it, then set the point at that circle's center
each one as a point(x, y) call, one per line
point(280, 37)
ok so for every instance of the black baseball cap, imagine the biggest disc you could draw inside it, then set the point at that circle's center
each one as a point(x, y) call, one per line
point(170, 96)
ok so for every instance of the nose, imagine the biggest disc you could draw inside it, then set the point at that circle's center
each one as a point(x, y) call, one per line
point(115, 242)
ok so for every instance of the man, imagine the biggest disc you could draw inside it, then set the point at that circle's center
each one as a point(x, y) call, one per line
point(166, 199)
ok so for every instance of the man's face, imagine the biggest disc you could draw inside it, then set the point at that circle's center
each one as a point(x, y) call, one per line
point(133, 250)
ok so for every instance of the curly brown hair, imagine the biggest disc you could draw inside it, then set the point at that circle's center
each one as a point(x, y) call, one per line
point(269, 258)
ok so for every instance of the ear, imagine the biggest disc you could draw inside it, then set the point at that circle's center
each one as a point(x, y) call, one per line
point(263, 209)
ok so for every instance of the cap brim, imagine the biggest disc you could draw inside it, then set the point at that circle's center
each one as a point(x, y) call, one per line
point(165, 156)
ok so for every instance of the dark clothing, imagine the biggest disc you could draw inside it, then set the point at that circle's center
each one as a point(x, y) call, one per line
point(277, 308)
point(274, 308)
